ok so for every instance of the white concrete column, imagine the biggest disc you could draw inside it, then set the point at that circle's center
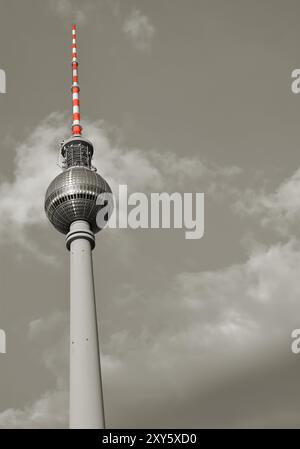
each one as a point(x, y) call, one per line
point(86, 398)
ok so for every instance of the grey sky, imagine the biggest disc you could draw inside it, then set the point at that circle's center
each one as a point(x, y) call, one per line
point(177, 95)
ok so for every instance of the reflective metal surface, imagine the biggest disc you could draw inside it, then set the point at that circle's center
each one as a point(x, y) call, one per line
point(72, 196)
point(77, 151)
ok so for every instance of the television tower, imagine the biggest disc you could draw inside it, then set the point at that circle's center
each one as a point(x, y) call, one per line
point(71, 206)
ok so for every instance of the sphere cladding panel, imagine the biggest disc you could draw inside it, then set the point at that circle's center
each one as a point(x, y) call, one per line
point(72, 196)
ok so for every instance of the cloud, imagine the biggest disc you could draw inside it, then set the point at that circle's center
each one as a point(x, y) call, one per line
point(201, 334)
point(67, 9)
point(196, 310)
point(50, 409)
point(43, 326)
point(21, 199)
point(47, 412)
point(151, 170)
point(279, 210)
point(35, 165)
point(138, 28)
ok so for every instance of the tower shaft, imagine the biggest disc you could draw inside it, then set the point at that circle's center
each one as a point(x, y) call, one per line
point(86, 398)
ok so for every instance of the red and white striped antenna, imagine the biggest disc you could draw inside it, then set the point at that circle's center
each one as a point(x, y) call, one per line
point(76, 127)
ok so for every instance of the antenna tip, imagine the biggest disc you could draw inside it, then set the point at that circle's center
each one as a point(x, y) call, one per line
point(73, 26)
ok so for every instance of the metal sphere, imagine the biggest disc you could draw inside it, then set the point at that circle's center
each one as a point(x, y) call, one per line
point(72, 196)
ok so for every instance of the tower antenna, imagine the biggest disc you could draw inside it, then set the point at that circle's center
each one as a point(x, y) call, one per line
point(76, 127)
